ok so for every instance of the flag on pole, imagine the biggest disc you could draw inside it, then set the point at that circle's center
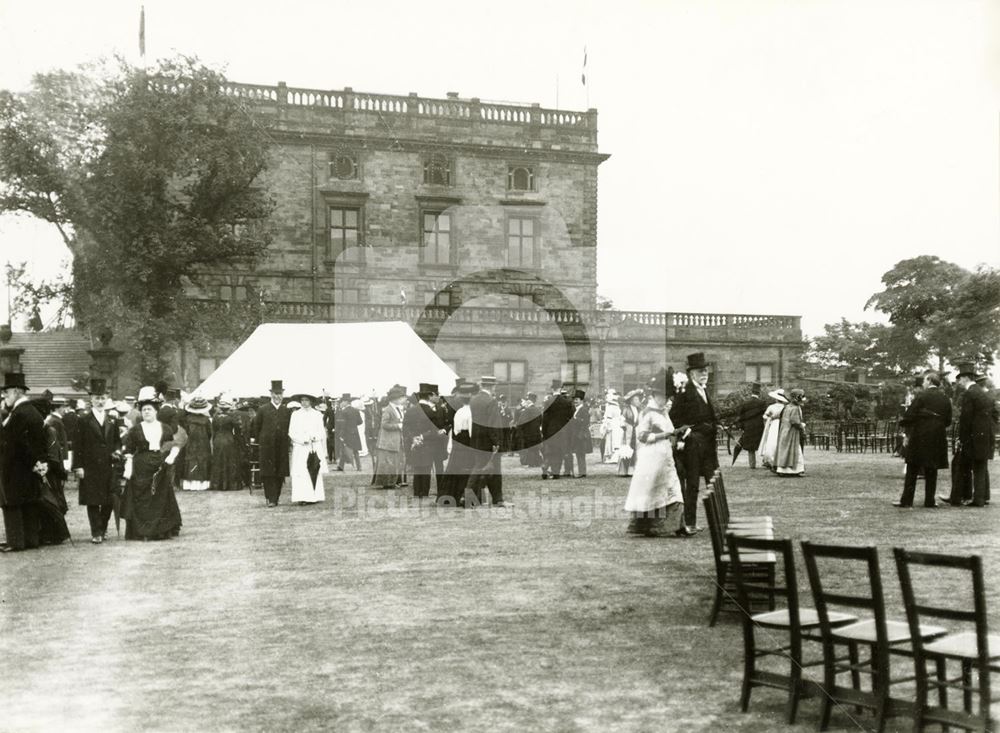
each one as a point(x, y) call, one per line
point(142, 31)
point(583, 74)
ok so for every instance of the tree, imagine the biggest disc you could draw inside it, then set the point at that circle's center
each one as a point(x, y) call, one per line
point(151, 179)
point(880, 350)
point(953, 313)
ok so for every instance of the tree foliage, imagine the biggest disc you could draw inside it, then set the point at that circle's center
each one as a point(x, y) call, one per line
point(152, 179)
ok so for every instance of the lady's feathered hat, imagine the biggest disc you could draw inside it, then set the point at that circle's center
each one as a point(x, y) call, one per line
point(663, 383)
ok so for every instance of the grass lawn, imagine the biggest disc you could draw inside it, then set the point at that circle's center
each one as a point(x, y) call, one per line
point(352, 615)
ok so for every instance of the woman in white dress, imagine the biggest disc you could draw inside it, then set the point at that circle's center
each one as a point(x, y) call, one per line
point(772, 422)
point(655, 499)
point(611, 427)
point(360, 407)
point(307, 434)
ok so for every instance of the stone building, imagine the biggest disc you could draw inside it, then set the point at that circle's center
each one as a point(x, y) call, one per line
point(474, 222)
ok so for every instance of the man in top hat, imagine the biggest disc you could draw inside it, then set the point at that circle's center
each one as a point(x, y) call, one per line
point(694, 416)
point(98, 442)
point(345, 431)
point(425, 437)
point(23, 463)
point(485, 439)
point(555, 417)
point(751, 417)
point(976, 439)
point(528, 431)
point(270, 429)
point(580, 443)
point(926, 422)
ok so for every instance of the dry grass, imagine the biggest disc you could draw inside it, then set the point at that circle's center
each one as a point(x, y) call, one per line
point(544, 617)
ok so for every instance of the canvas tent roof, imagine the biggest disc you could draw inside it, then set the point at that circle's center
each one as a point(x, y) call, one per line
point(359, 358)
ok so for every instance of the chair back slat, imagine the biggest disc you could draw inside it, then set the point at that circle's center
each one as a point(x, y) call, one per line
point(781, 548)
point(715, 529)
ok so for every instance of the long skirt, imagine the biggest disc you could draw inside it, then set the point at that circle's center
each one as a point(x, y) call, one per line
point(655, 501)
point(461, 464)
point(769, 443)
point(149, 505)
point(388, 468)
point(303, 488)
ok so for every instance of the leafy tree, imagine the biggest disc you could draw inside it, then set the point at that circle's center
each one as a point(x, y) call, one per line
point(151, 179)
point(881, 350)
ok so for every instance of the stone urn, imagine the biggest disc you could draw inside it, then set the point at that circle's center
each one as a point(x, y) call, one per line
point(5, 333)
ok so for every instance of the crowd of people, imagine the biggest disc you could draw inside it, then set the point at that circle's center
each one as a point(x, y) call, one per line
point(130, 456)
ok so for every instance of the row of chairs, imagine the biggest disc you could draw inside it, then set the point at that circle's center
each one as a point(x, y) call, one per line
point(850, 617)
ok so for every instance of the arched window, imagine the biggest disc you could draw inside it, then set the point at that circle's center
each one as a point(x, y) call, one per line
point(520, 178)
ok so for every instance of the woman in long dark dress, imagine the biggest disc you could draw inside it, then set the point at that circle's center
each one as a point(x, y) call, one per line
point(149, 505)
point(227, 437)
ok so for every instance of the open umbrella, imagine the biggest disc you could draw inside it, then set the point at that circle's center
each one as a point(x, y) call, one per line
point(312, 465)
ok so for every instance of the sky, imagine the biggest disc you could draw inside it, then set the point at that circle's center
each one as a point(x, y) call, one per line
point(767, 156)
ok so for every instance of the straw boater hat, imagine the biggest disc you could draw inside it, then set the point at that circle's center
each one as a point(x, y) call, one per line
point(147, 396)
point(633, 393)
point(779, 395)
point(198, 406)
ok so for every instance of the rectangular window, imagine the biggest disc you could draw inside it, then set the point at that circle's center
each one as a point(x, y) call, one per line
point(576, 374)
point(443, 299)
point(511, 379)
point(763, 373)
point(207, 366)
point(436, 240)
point(345, 234)
point(347, 295)
point(636, 374)
point(522, 241)
point(437, 170)
point(520, 178)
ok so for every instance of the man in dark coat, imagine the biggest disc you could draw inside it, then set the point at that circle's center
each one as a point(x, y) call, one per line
point(424, 436)
point(926, 446)
point(976, 436)
point(346, 433)
point(695, 420)
point(23, 463)
point(529, 431)
point(97, 443)
point(556, 415)
point(270, 429)
point(580, 443)
point(752, 422)
point(486, 429)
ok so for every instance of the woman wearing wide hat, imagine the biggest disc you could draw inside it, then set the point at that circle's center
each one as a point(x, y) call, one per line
point(655, 498)
point(630, 419)
point(307, 435)
point(789, 459)
point(389, 446)
point(227, 437)
point(196, 458)
point(149, 506)
point(772, 425)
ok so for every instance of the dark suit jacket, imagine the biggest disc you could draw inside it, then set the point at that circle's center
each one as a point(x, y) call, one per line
point(270, 428)
point(94, 446)
point(22, 445)
point(691, 410)
point(579, 433)
point(346, 427)
point(556, 416)
point(927, 419)
point(752, 422)
point(975, 424)
point(485, 421)
point(425, 422)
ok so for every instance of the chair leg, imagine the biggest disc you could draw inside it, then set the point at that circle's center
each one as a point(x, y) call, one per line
point(941, 669)
point(855, 660)
point(829, 683)
point(748, 670)
point(794, 690)
point(967, 686)
point(717, 603)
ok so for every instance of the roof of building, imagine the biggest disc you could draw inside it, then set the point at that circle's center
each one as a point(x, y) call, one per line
point(53, 360)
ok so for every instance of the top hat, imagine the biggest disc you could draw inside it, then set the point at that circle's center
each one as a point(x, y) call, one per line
point(755, 387)
point(172, 393)
point(967, 369)
point(426, 388)
point(98, 386)
point(487, 379)
point(277, 386)
point(14, 380)
point(696, 361)
point(147, 396)
point(579, 395)
point(556, 384)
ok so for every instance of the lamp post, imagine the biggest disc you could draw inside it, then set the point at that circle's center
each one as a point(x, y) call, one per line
point(602, 325)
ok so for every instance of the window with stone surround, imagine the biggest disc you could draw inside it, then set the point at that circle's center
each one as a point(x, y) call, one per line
point(762, 372)
point(437, 169)
point(575, 374)
point(436, 240)
point(346, 242)
point(520, 178)
point(523, 235)
point(511, 379)
point(636, 375)
point(342, 166)
point(443, 299)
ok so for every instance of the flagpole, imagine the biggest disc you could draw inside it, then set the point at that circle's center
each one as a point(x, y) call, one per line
point(557, 90)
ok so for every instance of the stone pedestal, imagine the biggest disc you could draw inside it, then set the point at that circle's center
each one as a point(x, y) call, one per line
point(104, 365)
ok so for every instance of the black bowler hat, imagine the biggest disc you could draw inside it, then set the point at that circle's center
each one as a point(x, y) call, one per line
point(696, 361)
point(14, 380)
point(277, 386)
point(556, 385)
point(98, 386)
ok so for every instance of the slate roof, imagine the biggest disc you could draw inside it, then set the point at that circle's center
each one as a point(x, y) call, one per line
point(53, 359)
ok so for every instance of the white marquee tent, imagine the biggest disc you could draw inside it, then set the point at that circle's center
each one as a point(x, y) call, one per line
point(359, 358)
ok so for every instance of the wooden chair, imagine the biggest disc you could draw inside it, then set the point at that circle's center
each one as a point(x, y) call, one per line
point(756, 565)
point(975, 650)
point(798, 623)
point(878, 634)
point(719, 485)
